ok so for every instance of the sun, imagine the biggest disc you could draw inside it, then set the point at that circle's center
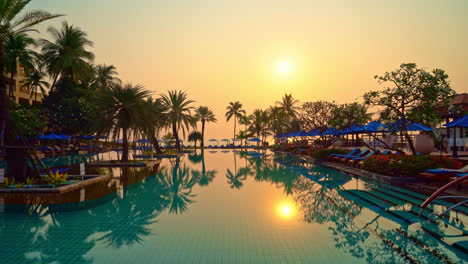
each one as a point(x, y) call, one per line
point(284, 67)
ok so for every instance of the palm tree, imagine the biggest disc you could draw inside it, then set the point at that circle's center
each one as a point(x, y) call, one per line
point(16, 50)
point(119, 107)
point(66, 56)
point(153, 118)
point(235, 110)
point(194, 137)
point(179, 112)
point(35, 81)
point(104, 76)
point(12, 23)
point(204, 114)
point(276, 115)
point(289, 105)
point(258, 122)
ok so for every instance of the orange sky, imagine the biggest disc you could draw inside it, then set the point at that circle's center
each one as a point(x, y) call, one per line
point(222, 51)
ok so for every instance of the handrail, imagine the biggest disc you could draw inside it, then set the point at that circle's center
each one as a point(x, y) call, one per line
point(449, 209)
point(439, 191)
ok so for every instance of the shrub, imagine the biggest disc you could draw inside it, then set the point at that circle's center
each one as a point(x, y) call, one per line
point(404, 166)
point(323, 153)
point(56, 178)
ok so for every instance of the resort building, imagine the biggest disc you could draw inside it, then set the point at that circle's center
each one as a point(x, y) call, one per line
point(458, 107)
point(22, 94)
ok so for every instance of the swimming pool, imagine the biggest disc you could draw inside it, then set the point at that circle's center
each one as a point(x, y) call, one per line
point(229, 207)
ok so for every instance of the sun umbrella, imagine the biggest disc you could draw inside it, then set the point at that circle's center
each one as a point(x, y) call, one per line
point(42, 136)
point(65, 136)
point(353, 129)
point(409, 126)
point(330, 132)
point(460, 122)
point(374, 126)
point(254, 140)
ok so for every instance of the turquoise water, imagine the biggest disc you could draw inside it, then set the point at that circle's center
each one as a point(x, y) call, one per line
point(227, 207)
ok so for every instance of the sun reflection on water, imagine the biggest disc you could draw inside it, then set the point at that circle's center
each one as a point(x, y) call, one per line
point(286, 210)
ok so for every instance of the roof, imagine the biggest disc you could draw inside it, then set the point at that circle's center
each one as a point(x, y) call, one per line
point(459, 100)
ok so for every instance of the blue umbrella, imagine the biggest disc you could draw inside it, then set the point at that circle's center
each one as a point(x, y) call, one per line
point(353, 129)
point(103, 137)
point(65, 136)
point(409, 126)
point(254, 140)
point(374, 126)
point(461, 122)
point(54, 136)
point(331, 131)
point(42, 136)
point(313, 133)
point(143, 141)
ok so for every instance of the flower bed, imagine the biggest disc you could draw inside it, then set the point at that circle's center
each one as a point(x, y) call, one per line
point(406, 165)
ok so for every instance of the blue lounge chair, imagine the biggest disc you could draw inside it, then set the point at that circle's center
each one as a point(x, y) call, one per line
point(352, 152)
point(349, 157)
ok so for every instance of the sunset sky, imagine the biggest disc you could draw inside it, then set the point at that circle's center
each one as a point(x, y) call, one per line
point(222, 51)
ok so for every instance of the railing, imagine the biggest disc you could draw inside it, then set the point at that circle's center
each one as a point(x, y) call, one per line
point(440, 191)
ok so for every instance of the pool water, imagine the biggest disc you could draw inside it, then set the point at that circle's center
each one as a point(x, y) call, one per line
point(229, 207)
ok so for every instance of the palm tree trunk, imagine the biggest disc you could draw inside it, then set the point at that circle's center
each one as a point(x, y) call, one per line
point(16, 159)
point(124, 144)
point(235, 121)
point(202, 144)
point(53, 83)
point(10, 91)
point(35, 95)
point(156, 146)
point(176, 136)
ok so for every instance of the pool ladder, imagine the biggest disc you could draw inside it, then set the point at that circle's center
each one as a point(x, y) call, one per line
point(436, 195)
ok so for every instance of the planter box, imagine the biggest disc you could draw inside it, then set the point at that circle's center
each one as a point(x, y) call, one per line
point(88, 179)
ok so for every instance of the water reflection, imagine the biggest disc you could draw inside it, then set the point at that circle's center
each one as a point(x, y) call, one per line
point(313, 195)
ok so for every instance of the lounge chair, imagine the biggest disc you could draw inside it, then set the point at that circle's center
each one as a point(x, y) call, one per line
point(345, 159)
point(351, 153)
point(355, 161)
point(442, 174)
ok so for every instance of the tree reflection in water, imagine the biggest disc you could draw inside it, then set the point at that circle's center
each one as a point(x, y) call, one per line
point(205, 177)
point(177, 182)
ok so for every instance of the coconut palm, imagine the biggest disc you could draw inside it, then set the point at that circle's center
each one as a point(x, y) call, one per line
point(179, 113)
point(66, 55)
point(235, 110)
point(153, 118)
point(277, 116)
point(289, 105)
point(119, 107)
point(258, 122)
point(204, 114)
point(35, 81)
point(104, 76)
point(17, 51)
point(194, 137)
point(11, 23)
